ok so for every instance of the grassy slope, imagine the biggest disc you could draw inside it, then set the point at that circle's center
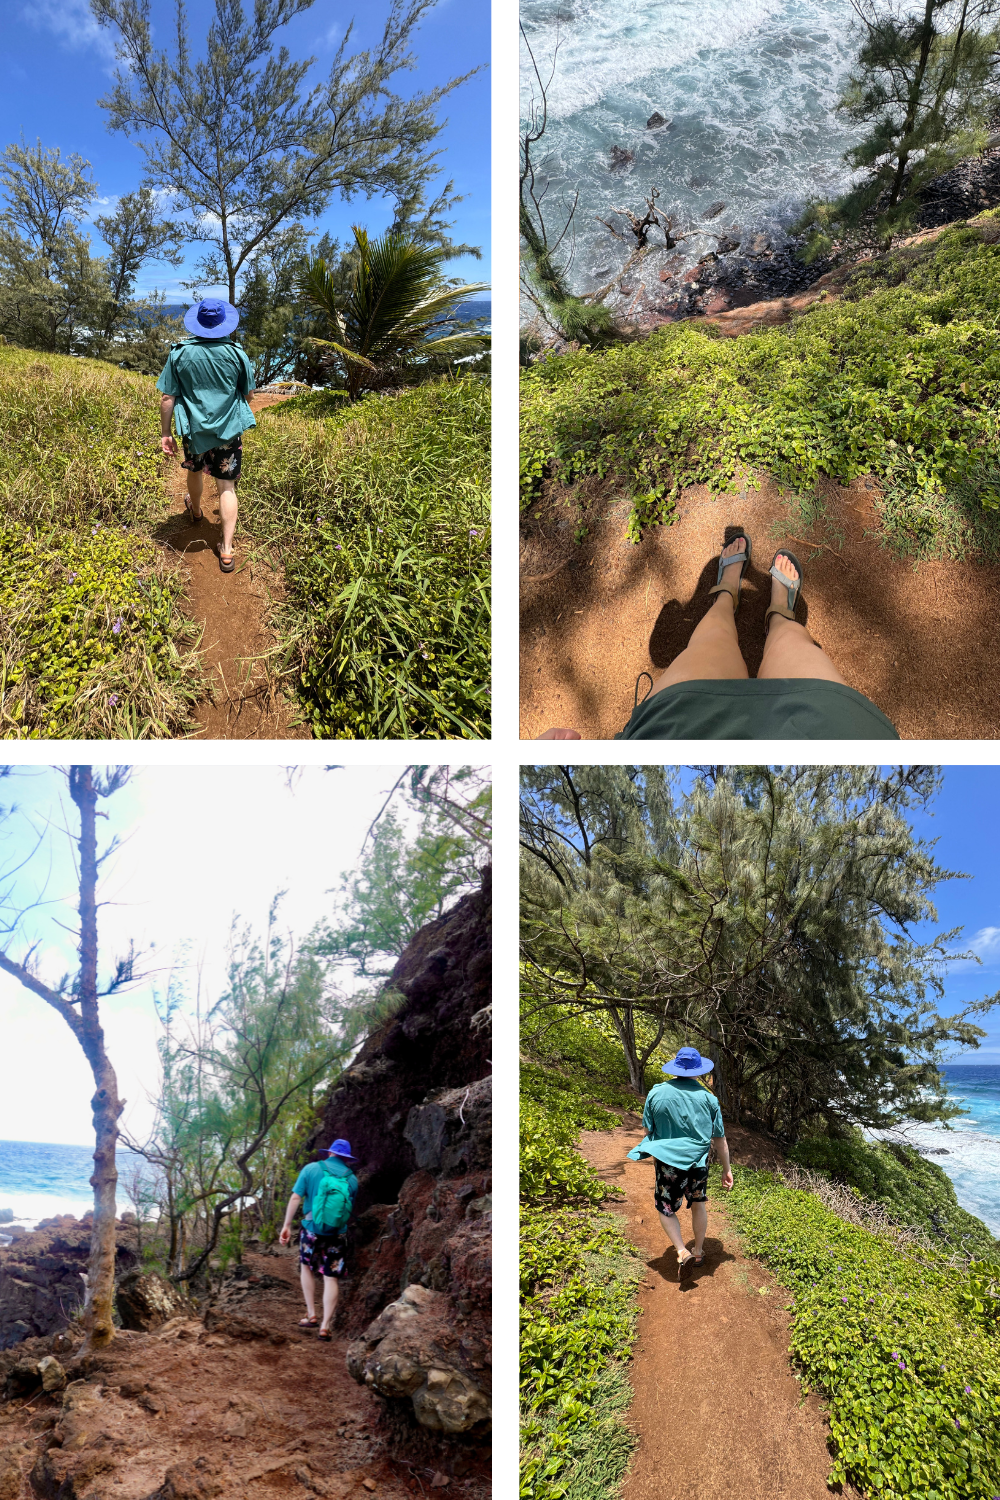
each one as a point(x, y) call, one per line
point(93, 643)
point(381, 515)
point(899, 380)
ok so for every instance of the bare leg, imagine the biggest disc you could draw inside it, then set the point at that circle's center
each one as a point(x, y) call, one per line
point(789, 650)
point(227, 510)
point(699, 1223)
point(331, 1289)
point(308, 1289)
point(673, 1228)
point(713, 650)
point(194, 482)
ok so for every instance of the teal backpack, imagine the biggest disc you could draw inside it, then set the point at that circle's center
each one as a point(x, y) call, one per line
point(331, 1205)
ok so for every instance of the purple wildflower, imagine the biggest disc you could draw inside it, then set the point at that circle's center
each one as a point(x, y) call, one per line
point(72, 577)
point(338, 547)
point(843, 1299)
point(968, 1390)
point(113, 700)
point(473, 531)
point(957, 1422)
point(116, 627)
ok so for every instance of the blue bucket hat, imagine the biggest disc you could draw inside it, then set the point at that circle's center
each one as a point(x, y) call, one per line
point(211, 318)
point(340, 1147)
point(689, 1063)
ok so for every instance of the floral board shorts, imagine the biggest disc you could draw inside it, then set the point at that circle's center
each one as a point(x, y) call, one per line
point(675, 1183)
point(224, 462)
point(323, 1255)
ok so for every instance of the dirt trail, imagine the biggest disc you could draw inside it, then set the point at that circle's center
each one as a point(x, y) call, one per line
point(717, 1411)
point(233, 606)
point(250, 1415)
point(918, 641)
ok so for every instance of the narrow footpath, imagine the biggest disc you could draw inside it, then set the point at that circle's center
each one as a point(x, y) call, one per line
point(717, 1410)
point(243, 702)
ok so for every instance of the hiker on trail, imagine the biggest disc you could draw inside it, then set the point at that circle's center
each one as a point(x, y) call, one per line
point(682, 1119)
point(207, 383)
point(706, 694)
point(327, 1190)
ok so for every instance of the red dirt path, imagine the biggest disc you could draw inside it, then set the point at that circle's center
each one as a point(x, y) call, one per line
point(242, 703)
point(921, 642)
point(717, 1410)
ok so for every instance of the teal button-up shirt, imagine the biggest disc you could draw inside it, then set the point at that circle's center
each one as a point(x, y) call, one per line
point(210, 380)
point(682, 1119)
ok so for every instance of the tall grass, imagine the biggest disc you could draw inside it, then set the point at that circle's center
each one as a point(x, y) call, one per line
point(93, 642)
point(380, 515)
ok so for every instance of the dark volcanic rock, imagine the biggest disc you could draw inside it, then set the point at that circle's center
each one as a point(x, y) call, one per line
point(41, 1281)
point(620, 158)
point(656, 121)
point(714, 211)
point(145, 1301)
point(416, 1106)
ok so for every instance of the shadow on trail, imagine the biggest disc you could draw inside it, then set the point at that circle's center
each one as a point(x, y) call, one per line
point(677, 619)
point(665, 1265)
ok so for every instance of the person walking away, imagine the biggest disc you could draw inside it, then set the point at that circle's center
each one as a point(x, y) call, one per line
point(206, 386)
point(682, 1120)
point(326, 1189)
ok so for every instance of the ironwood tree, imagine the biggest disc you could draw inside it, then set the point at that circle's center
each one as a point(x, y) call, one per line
point(765, 915)
point(77, 999)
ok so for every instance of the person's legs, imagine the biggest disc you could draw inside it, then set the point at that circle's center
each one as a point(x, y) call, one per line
point(331, 1289)
point(789, 649)
point(713, 650)
point(309, 1289)
point(673, 1228)
point(195, 485)
point(699, 1223)
point(228, 511)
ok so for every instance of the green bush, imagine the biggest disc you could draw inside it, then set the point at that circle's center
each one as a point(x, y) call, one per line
point(381, 516)
point(894, 1340)
point(916, 1192)
point(902, 383)
point(552, 1170)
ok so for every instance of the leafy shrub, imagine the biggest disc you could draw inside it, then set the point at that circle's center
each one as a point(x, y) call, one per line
point(905, 380)
point(552, 1170)
point(92, 645)
point(913, 1189)
point(565, 1099)
point(381, 515)
point(892, 1339)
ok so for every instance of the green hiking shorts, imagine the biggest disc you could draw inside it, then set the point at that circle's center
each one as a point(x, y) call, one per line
point(746, 708)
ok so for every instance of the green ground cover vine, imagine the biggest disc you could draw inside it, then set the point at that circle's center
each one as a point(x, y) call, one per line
point(899, 380)
point(380, 513)
point(94, 643)
point(578, 1271)
point(900, 1341)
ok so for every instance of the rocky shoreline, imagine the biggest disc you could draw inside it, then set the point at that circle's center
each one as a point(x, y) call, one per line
point(745, 270)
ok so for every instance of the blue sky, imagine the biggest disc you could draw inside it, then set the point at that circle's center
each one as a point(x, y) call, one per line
point(55, 64)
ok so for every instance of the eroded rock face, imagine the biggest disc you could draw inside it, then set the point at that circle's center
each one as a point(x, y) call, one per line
point(412, 1350)
point(417, 1109)
point(42, 1281)
point(146, 1301)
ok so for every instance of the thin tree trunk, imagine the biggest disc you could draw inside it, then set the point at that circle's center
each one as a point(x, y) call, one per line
point(98, 1312)
point(914, 101)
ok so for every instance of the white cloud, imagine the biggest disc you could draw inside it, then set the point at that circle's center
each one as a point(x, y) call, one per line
point(74, 24)
point(986, 944)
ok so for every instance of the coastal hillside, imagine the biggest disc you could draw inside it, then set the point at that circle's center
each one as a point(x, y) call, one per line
point(361, 607)
point(856, 423)
point(213, 1388)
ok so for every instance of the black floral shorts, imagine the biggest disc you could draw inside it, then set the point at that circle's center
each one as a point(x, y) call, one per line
point(675, 1183)
point(224, 462)
point(321, 1253)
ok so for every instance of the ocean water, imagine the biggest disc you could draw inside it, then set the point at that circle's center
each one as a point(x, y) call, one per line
point(750, 90)
point(973, 1141)
point(39, 1180)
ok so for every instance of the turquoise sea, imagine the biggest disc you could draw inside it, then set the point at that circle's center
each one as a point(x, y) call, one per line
point(969, 1151)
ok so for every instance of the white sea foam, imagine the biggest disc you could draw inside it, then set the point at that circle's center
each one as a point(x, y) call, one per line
point(751, 90)
point(28, 1208)
point(972, 1163)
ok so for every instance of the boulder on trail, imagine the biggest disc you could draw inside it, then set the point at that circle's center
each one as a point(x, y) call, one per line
point(189, 1481)
point(147, 1301)
point(410, 1351)
point(52, 1373)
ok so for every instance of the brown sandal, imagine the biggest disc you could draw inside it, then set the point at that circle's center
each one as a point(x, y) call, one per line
point(227, 567)
point(308, 1322)
point(325, 1335)
point(192, 518)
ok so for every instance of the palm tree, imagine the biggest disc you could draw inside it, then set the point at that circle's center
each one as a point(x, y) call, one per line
point(391, 316)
